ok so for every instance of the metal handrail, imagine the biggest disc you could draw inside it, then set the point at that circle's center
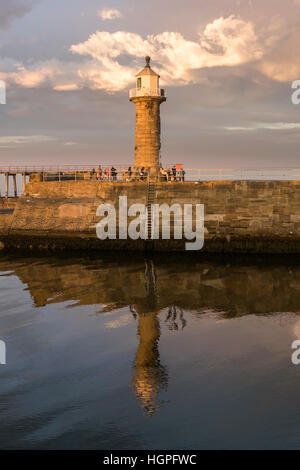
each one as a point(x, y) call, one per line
point(191, 174)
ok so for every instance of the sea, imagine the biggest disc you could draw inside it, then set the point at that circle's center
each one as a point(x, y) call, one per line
point(133, 351)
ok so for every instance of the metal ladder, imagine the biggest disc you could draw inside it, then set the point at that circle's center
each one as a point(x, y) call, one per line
point(151, 192)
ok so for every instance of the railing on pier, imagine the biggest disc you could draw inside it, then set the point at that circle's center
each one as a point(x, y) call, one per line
point(19, 176)
point(28, 169)
point(227, 174)
point(191, 174)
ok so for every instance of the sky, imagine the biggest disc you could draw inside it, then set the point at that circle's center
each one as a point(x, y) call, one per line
point(227, 66)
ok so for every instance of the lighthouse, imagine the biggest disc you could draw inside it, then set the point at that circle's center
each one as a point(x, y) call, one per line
point(147, 96)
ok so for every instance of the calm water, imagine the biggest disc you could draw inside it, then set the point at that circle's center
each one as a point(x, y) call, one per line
point(131, 353)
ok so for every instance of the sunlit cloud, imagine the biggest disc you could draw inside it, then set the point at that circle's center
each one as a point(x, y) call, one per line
point(272, 126)
point(66, 87)
point(109, 14)
point(225, 42)
point(59, 75)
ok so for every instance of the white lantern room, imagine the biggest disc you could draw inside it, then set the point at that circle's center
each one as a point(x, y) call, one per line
point(147, 83)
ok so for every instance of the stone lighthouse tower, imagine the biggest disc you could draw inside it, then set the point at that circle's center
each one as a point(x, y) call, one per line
point(147, 97)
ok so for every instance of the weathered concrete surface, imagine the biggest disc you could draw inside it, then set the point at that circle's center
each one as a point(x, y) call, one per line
point(240, 216)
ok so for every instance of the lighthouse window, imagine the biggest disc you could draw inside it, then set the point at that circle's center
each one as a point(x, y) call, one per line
point(139, 82)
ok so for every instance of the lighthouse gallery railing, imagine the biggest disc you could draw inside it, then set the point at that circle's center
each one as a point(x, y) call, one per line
point(139, 92)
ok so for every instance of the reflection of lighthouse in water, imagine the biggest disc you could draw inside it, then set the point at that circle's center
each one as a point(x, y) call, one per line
point(149, 376)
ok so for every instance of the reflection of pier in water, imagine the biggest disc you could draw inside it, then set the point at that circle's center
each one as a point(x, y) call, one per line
point(229, 288)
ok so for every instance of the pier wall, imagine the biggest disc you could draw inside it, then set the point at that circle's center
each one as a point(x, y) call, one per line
point(7, 207)
point(240, 216)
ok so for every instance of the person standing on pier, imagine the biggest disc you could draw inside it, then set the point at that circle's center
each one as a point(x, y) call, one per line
point(113, 173)
point(174, 172)
point(99, 173)
point(106, 174)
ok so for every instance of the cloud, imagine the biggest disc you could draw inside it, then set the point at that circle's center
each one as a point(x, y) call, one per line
point(109, 14)
point(60, 76)
point(66, 87)
point(17, 140)
point(11, 9)
point(225, 42)
point(282, 62)
point(272, 126)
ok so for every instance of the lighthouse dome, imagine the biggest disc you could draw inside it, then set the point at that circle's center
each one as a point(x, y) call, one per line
point(147, 70)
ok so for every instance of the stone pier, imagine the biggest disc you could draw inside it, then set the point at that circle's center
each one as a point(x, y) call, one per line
point(240, 216)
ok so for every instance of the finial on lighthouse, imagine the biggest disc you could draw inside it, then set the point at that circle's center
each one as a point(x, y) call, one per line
point(147, 58)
